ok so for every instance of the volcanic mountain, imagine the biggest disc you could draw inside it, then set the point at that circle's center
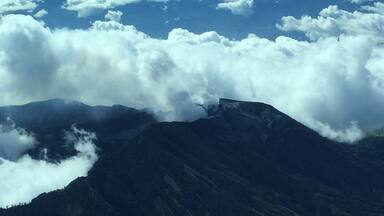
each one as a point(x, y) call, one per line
point(245, 158)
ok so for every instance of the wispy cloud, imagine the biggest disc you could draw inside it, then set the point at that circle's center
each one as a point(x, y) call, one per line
point(18, 5)
point(25, 178)
point(86, 7)
point(14, 141)
point(41, 13)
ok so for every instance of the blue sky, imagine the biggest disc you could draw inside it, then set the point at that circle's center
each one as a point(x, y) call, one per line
point(197, 16)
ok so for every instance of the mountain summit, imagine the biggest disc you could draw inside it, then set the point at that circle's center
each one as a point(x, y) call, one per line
point(246, 159)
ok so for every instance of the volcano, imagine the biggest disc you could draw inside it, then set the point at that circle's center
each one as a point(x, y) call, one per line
point(244, 158)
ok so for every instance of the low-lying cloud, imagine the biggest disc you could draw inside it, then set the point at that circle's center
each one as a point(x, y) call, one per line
point(14, 141)
point(25, 178)
point(333, 83)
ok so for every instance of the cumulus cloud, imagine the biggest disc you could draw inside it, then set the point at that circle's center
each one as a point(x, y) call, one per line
point(333, 21)
point(112, 22)
point(114, 16)
point(18, 178)
point(238, 7)
point(18, 5)
point(333, 83)
point(86, 7)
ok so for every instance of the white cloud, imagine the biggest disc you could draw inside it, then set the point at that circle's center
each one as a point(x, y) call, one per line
point(327, 83)
point(113, 25)
point(349, 134)
point(333, 21)
point(86, 7)
point(14, 141)
point(238, 7)
point(378, 8)
point(26, 178)
point(112, 22)
point(114, 16)
point(18, 5)
point(359, 1)
point(41, 13)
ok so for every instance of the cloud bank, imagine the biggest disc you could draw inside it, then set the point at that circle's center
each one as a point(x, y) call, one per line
point(238, 7)
point(25, 178)
point(333, 83)
point(86, 7)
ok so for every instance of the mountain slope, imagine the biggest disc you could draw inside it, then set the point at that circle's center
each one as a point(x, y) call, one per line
point(48, 121)
point(246, 159)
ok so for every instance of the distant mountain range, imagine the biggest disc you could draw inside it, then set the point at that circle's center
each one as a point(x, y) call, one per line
point(245, 158)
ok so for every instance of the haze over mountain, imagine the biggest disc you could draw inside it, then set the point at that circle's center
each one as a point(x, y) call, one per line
point(244, 159)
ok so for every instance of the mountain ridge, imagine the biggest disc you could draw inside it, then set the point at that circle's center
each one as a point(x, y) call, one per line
point(247, 159)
